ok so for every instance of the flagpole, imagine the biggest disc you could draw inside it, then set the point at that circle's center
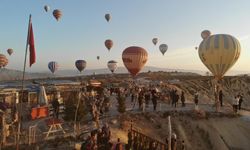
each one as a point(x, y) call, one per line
point(22, 90)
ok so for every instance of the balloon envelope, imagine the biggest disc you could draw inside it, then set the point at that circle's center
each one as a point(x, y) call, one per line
point(80, 65)
point(53, 66)
point(155, 40)
point(163, 48)
point(205, 34)
point(219, 53)
point(57, 14)
point(134, 59)
point(10, 51)
point(107, 17)
point(3, 61)
point(98, 57)
point(112, 65)
point(46, 8)
point(109, 44)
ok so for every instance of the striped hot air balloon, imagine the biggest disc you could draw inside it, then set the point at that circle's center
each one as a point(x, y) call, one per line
point(57, 14)
point(112, 65)
point(163, 48)
point(134, 59)
point(80, 65)
point(53, 66)
point(219, 53)
point(3, 61)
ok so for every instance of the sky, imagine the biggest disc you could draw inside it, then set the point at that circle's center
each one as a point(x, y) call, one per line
point(82, 30)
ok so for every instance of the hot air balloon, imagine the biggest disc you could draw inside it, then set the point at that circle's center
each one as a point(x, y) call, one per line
point(107, 17)
point(53, 66)
point(10, 51)
point(134, 59)
point(46, 8)
point(109, 44)
point(80, 65)
point(57, 14)
point(3, 61)
point(219, 53)
point(163, 48)
point(155, 40)
point(112, 65)
point(196, 47)
point(205, 34)
point(98, 57)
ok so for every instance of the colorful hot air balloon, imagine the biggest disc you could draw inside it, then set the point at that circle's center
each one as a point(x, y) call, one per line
point(155, 40)
point(3, 61)
point(112, 65)
point(219, 53)
point(57, 14)
point(163, 48)
point(205, 34)
point(98, 57)
point(107, 17)
point(109, 44)
point(10, 51)
point(134, 59)
point(46, 8)
point(80, 65)
point(53, 66)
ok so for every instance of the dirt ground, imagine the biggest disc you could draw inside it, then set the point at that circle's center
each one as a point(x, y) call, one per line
point(218, 132)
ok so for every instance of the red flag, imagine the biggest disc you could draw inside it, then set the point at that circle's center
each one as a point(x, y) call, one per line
point(31, 43)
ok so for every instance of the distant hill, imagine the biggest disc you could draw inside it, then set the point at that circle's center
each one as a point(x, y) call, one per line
point(8, 74)
point(121, 70)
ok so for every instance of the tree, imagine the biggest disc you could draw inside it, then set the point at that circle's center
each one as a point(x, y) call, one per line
point(121, 104)
point(70, 110)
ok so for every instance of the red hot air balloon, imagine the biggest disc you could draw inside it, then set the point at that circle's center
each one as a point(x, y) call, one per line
point(53, 66)
point(109, 44)
point(3, 61)
point(80, 65)
point(134, 59)
point(57, 14)
point(10, 51)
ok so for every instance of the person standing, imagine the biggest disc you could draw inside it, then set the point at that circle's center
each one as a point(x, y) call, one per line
point(221, 98)
point(176, 98)
point(182, 99)
point(118, 145)
point(196, 99)
point(235, 103)
point(240, 100)
point(154, 99)
point(55, 105)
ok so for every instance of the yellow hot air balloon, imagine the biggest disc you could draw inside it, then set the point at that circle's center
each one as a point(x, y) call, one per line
point(219, 53)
